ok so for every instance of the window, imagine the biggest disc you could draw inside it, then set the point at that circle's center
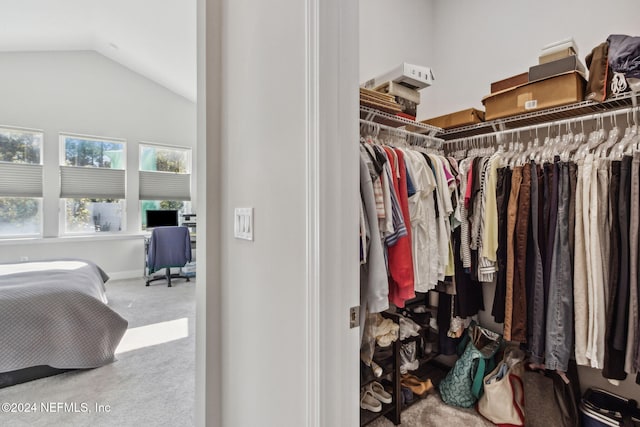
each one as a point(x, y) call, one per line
point(92, 186)
point(20, 216)
point(165, 173)
point(88, 215)
point(20, 182)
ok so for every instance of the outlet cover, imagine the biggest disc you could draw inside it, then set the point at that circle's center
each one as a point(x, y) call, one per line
point(243, 223)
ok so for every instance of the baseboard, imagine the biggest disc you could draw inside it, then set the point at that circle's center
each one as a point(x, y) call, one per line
point(120, 275)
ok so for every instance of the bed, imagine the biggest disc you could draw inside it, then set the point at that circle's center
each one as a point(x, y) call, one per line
point(54, 318)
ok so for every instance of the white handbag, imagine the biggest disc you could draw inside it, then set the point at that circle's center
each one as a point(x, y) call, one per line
point(503, 400)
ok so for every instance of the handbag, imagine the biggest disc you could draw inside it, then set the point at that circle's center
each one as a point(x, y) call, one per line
point(502, 402)
point(463, 384)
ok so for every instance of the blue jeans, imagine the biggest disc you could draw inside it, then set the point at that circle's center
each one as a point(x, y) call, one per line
point(559, 335)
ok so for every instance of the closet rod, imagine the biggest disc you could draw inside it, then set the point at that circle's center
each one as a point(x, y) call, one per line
point(498, 134)
point(378, 126)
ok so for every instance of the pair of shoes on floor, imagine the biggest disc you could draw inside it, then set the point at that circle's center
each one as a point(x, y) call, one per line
point(373, 396)
point(406, 395)
point(416, 385)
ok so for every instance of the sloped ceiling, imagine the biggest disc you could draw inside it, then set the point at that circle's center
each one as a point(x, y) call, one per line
point(155, 38)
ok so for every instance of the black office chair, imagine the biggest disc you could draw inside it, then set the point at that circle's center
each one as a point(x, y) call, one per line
point(169, 247)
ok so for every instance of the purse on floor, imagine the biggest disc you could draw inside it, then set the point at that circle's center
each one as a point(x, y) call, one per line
point(463, 384)
point(502, 402)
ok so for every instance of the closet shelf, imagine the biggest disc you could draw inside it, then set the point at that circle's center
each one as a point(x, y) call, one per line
point(376, 116)
point(537, 117)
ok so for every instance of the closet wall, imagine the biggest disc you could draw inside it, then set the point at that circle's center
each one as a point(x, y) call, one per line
point(393, 32)
point(470, 44)
point(477, 43)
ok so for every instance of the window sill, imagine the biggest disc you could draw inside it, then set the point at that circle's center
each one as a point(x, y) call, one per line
point(70, 239)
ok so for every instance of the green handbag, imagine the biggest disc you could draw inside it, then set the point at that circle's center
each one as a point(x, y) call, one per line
point(463, 384)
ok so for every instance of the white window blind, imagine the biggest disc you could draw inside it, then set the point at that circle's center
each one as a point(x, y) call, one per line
point(165, 186)
point(99, 183)
point(20, 180)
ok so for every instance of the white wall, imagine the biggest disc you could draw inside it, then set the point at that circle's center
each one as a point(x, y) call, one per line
point(392, 32)
point(276, 126)
point(84, 92)
point(263, 166)
point(477, 43)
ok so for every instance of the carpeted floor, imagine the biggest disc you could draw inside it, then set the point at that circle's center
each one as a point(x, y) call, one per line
point(153, 385)
point(433, 412)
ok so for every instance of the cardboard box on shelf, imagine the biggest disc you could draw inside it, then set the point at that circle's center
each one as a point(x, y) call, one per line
point(509, 82)
point(466, 117)
point(554, 56)
point(409, 75)
point(554, 68)
point(396, 89)
point(560, 90)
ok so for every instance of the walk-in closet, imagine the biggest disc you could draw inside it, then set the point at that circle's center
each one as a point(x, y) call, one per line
point(499, 165)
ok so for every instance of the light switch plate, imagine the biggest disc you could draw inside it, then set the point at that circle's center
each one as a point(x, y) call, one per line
point(243, 223)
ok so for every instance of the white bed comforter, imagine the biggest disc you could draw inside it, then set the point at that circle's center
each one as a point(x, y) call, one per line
point(54, 313)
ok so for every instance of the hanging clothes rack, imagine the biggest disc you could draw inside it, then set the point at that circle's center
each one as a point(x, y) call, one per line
point(412, 138)
point(498, 137)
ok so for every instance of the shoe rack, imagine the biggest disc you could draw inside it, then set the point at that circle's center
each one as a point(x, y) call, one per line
point(424, 354)
point(389, 361)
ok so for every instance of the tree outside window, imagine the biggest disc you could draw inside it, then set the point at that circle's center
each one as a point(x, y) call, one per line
point(20, 215)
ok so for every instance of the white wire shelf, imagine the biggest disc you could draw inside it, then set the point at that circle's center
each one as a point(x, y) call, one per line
point(537, 117)
point(377, 116)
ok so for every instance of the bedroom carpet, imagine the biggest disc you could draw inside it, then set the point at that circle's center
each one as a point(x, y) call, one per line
point(151, 383)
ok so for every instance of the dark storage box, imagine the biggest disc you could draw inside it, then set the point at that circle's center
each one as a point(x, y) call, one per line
point(509, 82)
point(554, 68)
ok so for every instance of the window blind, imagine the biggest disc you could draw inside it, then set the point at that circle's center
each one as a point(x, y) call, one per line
point(98, 183)
point(165, 186)
point(20, 180)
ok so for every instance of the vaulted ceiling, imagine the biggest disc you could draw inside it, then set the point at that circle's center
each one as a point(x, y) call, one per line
point(155, 38)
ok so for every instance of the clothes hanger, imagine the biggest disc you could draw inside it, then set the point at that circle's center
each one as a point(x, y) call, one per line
point(578, 141)
point(606, 149)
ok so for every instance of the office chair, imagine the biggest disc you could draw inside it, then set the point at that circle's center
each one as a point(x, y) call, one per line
point(168, 247)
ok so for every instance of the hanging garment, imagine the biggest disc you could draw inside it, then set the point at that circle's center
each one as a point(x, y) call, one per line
point(503, 190)
point(617, 320)
point(535, 287)
point(634, 217)
point(465, 232)
point(559, 334)
point(374, 288)
point(512, 213)
point(596, 281)
point(580, 299)
point(401, 284)
point(519, 313)
point(422, 216)
point(612, 357)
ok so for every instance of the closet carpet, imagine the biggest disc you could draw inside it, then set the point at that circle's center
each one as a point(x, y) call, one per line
point(149, 386)
point(433, 412)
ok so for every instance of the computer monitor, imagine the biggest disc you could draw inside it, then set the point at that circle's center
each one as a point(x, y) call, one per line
point(162, 218)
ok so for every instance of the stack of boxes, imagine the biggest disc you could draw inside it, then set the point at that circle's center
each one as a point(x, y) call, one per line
point(558, 79)
point(402, 84)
